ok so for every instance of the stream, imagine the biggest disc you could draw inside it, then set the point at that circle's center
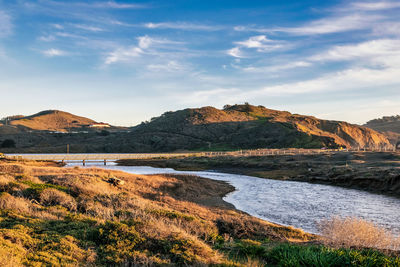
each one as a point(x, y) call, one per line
point(298, 204)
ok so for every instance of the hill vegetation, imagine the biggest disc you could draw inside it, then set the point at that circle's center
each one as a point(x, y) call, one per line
point(52, 216)
point(207, 128)
point(388, 125)
point(247, 126)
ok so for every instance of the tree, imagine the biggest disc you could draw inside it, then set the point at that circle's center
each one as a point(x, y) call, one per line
point(8, 143)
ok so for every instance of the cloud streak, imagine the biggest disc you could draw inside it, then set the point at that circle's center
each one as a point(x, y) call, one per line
point(181, 26)
point(54, 52)
point(259, 43)
point(5, 24)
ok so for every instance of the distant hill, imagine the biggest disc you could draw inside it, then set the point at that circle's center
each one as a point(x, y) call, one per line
point(49, 120)
point(247, 126)
point(207, 128)
point(388, 125)
point(385, 124)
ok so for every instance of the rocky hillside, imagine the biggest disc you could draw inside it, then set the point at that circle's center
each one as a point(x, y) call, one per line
point(247, 126)
point(49, 120)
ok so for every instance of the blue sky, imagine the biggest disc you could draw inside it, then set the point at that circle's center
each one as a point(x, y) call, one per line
point(124, 62)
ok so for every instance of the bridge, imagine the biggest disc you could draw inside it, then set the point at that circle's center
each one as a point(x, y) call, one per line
point(108, 157)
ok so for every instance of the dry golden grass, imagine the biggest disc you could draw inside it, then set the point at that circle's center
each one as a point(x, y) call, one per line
point(53, 197)
point(10, 202)
point(178, 216)
point(353, 232)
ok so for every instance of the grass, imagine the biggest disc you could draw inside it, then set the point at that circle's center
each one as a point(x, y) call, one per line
point(51, 216)
point(354, 232)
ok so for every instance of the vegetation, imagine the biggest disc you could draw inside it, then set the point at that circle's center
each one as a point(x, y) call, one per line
point(207, 128)
point(8, 143)
point(51, 216)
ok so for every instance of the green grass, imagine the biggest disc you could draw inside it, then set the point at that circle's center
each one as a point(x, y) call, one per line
point(286, 254)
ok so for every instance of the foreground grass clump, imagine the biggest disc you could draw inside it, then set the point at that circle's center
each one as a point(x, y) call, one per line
point(51, 216)
point(354, 232)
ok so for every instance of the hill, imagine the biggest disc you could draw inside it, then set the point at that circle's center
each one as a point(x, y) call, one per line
point(49, 120)
point(385, 124)
point(388, 125)
point(207, 128)
point(247, 126)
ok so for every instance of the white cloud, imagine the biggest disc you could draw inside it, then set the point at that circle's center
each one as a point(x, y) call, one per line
point(171, 66)
point(373, 6)
point(261, 43)
point(57, 26)
point(54, 52)
point(115, 5)
point(146, 46)
point(275, 68)
point(88, 28)
point(235, 52)
point(332, 25)
point(384, 52)
point(123, 55)
point(181, 26)
point(5, 24)
point(47, 38)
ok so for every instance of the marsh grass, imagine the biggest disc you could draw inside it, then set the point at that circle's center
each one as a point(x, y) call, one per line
point(351, 232)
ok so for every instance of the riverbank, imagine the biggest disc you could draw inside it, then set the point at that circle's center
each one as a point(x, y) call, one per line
point(377, 172)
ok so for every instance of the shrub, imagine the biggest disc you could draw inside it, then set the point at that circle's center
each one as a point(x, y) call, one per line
point(354, 232)
point(52, 197)
point(8, 143)
point(10, 202)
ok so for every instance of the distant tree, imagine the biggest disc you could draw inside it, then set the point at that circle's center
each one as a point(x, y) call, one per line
point(8, 143)
point(227, 107)
point(104, 133)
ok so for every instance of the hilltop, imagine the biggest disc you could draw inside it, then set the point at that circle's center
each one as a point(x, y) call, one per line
point(48, 120)
point(247, 126)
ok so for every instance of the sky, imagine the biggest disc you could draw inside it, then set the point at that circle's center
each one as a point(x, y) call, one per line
point(123, 62)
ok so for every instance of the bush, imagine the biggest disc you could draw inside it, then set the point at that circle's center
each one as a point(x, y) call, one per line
point(52, 197)
point(8, 143)
point(354, 232)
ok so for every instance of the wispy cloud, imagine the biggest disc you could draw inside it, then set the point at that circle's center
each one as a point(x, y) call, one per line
point(113, 4)
point(280, 67)
point(382, 5)
point(349, 17)
point(333, 24)
point(54, 52)
point(170, 66)
point(47, 38)
point(182, 26)
point(145, 46)
point(384, 52)
point(88, 28)
point(260, 43)
point(235, 52)
point(5, 24)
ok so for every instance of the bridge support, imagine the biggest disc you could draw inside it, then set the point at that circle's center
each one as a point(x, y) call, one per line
point(83, 162)
point(105, 162)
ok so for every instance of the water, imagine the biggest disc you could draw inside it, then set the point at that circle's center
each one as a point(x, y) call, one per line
point(299, 204)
